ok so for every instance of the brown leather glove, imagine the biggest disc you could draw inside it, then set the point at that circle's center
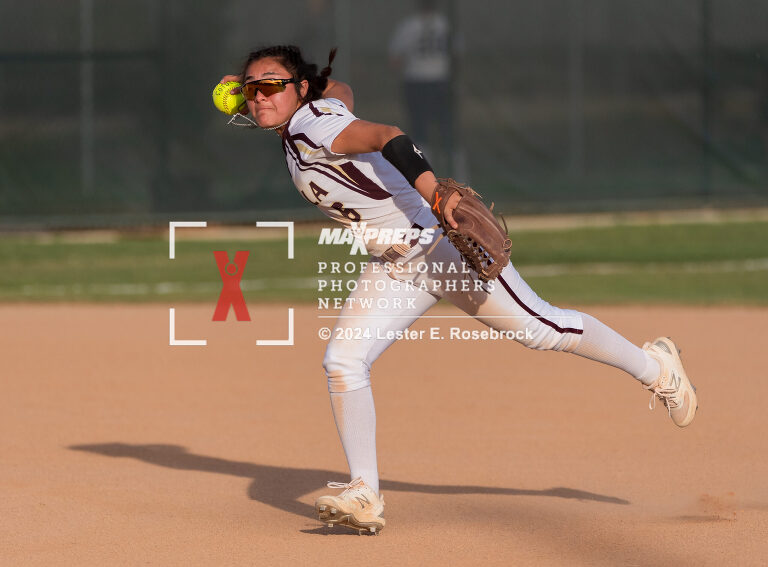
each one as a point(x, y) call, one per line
point(479, 238)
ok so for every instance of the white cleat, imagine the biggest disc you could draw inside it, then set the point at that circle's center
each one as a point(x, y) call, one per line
point(357, 507)
point(672, 386)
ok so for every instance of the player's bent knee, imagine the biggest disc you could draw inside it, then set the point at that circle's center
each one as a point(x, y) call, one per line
point(543, 337)
point(346, 372)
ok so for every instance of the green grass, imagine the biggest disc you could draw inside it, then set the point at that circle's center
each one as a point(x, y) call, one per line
point(637, 264)
point(669, 288)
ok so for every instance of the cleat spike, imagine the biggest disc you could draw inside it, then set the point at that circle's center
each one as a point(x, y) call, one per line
point(358, 508)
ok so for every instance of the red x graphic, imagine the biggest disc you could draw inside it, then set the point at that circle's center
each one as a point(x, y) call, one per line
point(231, 294)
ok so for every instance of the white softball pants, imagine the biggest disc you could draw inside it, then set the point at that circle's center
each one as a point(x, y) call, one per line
point(373, 316)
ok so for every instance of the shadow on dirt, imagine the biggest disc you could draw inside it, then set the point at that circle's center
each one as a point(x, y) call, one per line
point(281, 487)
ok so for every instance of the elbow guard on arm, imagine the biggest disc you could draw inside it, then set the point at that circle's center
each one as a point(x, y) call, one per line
point(409, 160)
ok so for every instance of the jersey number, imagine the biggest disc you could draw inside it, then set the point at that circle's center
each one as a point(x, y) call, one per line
point(351, 214)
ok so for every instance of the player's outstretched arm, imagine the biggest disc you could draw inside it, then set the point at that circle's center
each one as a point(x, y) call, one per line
point(362, 137)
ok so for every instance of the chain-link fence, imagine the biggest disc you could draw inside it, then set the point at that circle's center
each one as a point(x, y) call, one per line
point(556, 104)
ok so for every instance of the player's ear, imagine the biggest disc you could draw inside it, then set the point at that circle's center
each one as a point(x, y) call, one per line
point(303, 88)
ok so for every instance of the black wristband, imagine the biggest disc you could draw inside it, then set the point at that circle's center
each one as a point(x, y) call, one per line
point(409, 160)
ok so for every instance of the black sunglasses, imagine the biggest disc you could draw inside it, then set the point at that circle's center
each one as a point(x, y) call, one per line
point(267, 87)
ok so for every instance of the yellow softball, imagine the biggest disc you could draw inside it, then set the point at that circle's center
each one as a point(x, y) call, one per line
point(226, 102)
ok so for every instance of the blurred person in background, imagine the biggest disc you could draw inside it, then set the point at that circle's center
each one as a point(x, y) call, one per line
point(421, 50)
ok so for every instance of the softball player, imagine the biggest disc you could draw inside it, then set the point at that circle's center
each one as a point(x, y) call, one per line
point(357, 171)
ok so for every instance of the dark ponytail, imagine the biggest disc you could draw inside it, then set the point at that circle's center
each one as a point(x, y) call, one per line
point(326, 72)
point(290, 57)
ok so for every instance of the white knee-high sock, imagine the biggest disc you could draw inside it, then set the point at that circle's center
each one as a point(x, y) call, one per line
point(355, 417)
point(600, 342)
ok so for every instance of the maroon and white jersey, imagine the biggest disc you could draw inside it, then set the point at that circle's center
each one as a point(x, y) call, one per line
point(348, 187)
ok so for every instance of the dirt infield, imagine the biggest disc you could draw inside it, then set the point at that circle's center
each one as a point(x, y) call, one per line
point(120, 450)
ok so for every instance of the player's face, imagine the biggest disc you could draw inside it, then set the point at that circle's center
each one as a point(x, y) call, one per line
point(269, 111)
